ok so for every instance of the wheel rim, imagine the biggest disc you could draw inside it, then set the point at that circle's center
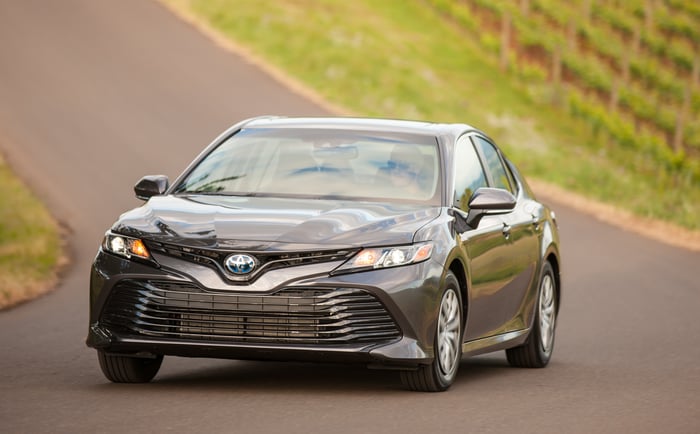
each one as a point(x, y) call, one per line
point(547, 313)
point(448, 333)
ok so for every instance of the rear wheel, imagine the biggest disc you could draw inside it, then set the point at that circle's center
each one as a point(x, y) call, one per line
point(537, 350)
point(125, 369)
point(439, 375)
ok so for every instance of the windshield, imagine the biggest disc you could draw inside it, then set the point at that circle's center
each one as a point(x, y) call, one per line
point(324, 164)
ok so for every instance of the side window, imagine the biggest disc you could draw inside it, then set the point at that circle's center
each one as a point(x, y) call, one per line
point(511, 177)
point(469, 175)
point(501, 178)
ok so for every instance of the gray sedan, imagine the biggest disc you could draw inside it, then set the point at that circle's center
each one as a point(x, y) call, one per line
point(397, 244)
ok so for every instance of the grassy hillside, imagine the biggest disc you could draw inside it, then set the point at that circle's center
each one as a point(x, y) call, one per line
point(30, 246)
point(600, 97)
point(637, 60)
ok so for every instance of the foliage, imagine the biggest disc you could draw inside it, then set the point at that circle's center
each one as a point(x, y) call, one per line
point(609, 54)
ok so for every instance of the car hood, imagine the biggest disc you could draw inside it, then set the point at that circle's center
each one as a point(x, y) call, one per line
point(273, 223)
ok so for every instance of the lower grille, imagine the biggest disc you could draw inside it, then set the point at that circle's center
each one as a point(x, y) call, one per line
point(291, 316)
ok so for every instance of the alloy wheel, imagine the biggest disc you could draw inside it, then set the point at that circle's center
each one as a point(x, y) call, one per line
point(547, 313)
point(448, 335)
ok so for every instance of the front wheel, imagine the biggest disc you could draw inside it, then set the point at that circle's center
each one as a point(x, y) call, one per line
point(537, 350)
point(125, 369)
point(439, 375)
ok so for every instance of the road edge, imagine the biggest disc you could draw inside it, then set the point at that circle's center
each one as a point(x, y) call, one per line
point(35, 289)
point(657, 230)
point(177, 9)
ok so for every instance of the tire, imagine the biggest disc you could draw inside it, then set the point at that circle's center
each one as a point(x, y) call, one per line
point(125, 369)
point(537, 350)
point(439, 375)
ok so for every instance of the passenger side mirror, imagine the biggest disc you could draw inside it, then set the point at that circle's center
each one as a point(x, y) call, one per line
point(151, 185)
point(489, 201)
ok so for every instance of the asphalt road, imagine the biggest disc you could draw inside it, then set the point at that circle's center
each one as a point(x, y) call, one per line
point(94, 94)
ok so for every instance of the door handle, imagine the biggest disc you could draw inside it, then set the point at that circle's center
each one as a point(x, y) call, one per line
point(506, 230)
point(535, 223)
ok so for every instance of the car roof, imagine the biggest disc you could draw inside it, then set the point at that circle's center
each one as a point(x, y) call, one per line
point(451, 130)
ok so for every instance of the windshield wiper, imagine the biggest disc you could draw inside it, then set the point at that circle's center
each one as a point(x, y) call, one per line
point(218, 193)
point(211, 185)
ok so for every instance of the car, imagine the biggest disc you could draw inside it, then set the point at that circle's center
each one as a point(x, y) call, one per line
point(396, 244)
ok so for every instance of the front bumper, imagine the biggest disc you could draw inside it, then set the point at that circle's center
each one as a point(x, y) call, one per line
point(402, 353)
point(381, 317)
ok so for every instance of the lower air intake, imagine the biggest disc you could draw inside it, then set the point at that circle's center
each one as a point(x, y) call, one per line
point(164, 309)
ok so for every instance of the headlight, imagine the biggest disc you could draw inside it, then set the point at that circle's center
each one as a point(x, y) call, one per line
point(385, 257)
point(125, 246)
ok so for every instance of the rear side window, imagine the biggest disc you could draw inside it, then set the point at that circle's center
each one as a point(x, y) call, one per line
point(500, 176)
point(469, 175)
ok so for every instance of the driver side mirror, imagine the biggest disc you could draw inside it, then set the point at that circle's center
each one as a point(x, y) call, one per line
point(489, 201)
point(151, 185)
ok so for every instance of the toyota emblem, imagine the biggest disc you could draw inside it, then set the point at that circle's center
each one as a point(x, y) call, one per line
point(240, 264)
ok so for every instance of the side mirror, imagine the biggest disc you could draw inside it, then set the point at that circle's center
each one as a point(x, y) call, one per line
point(489, 201)
point(151, 185)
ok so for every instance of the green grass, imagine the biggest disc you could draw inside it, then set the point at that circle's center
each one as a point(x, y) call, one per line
point(30, 245)
point(404, 59)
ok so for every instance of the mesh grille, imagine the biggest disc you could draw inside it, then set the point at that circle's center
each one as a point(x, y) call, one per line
point(291, 316)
